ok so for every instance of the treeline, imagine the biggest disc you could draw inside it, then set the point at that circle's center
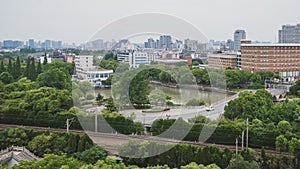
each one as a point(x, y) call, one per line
point(183, 154)
point(36, 95)
point(182, 74)
point(45, 142)
point(74, 151)
point(281, 119)
point(51, 161)
point(295, 89)
point(223, 131)
point(274, 126)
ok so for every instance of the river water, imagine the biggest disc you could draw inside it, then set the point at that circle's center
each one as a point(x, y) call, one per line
point(180, 96)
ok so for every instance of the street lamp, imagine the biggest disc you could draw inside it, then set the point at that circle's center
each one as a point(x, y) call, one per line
point(144, 118)
point(167, 115)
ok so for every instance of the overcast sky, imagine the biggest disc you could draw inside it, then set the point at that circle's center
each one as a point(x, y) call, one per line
point(78, 20)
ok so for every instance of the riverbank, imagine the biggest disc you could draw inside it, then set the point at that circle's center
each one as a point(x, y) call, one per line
point(206, 88)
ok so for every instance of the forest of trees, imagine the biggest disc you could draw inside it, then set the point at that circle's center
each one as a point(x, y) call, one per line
point(42, 94)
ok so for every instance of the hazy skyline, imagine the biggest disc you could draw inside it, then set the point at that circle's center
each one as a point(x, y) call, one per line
point(78, 20)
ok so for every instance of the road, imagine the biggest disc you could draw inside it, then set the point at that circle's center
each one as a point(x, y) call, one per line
point(183, 111)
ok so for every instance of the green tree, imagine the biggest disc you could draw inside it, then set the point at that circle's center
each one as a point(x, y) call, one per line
point(32, 70)
point(92, 155)
point(17, 68)
point(109, 105)
point(238, 162)
point(195, 63)
point(54, 78)
point(45, 59)
point(110, 64)
point(195, 102)
point(10, 68)
point(139, 90)
point(99, 99)
point(295, 88)
point(51, 161)
point(41, 144)
point(85, 87)
point(84, 143)
point(6, 77)
point(27, 69)
point(39, 68)
point(283, 127)
point(109, 55)
point(2, 67)
point(281, 143)
point(292, 145)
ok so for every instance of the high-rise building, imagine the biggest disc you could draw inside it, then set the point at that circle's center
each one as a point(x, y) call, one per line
point(47, 44)
point(151, 43)
point(289, 34)
point(165, 41)
point(31, 43)
point(230, 44)
point(238, 36)
point(12, 44)
point(56, 44)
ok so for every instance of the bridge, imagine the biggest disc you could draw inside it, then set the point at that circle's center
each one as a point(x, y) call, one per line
point(277, 89)
point(278, 95)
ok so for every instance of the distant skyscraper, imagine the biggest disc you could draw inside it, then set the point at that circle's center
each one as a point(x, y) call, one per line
point(31, 43)
point(12, 44)
point(289, 34)
point(238, 36)
point(47, 44)
point(151, 43)
point(165, 41)
point(56, 44)
point(230, 44)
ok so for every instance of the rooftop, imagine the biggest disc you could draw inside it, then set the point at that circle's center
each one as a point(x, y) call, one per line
point(274, 44)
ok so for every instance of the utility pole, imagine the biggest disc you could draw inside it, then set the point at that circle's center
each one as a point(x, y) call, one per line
point(243, 140)
point(247, 132)
point(69, 121)
point(96, 122)
point(68, 125)
point(236, 146)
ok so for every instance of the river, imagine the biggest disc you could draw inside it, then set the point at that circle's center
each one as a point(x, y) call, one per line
point(180, 96)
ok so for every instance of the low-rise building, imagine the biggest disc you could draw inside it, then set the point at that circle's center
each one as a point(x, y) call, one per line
point(219, 61)
point(13, 155)
point(135, 58)
point(85, 70)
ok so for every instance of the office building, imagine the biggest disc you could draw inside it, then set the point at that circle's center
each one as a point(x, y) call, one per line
point(283, 59)
point(165, 42)
point(56, 44)
point(10, 44)
point(289, 34)
point(47, 44)
point(85, 70)
point(151, 43)
point(230, 44)
point(238, 36)
point(135, 58)
point(222, 61)
point(31, 43)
